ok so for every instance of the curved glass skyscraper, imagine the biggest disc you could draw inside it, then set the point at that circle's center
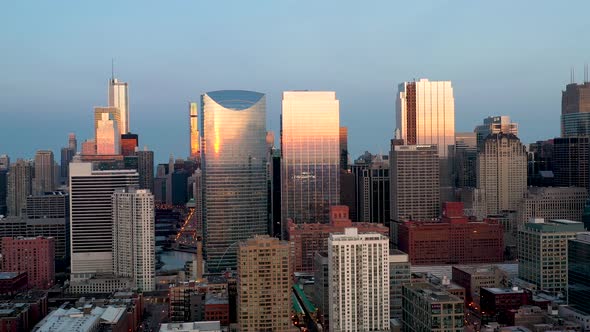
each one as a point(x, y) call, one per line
point(233, 155)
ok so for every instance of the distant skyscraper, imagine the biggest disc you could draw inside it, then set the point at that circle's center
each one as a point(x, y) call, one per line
point(107, 136)
point(494, 125)
point(3, 191)
point(464, 160)
point(575, 110)
point(114, 114)
point(571, 157)
point(133, 237)
point(67, 154)
point(20, 185)
point(145, 167)
point(359, 303)
point(502, 172)
point(195, 138)
point(264, 285)
point(4, 162)
point(426, 114)
point(119, 98)
point(310, 148)
point(414, 184)
point(538, 238)
point(44, 172)
point(374, 188)
point(72, 142)
point(91, 219)
point(234, 172)
point(129, 142)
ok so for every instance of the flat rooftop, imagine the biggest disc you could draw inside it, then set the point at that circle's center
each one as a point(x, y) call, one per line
point(432, 293)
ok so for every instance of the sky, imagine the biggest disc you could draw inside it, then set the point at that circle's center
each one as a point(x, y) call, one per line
point(503, 58)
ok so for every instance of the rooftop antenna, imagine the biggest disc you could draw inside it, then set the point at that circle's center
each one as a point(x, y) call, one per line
point(112, 69)
point(572, 75)
point(586, 73)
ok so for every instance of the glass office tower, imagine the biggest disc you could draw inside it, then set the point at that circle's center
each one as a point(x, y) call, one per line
point(310, 147)
point(233, 156)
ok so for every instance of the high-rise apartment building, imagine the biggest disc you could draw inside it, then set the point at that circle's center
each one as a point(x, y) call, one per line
point(551, 203)
point(134, 237)
point(415, 190)
point(91, 218)
point(44, 180)
point(35, 255)
point(359, 281)
point(195, 138)
point(502, 172)
point(571, 156)
point(107, 135)
point(119, 99)
point(20, 185)
point(428, 308)
point(145, 168)
point(399, 274)
point(575, 110)
point(578, 272)
point(264, 285)
point(234, 172)
point(425, 114)
point(500, 124)
point(129, 143)
point(543, 253)
point(310, 152)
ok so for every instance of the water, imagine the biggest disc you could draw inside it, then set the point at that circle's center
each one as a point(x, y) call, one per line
point(174, 260)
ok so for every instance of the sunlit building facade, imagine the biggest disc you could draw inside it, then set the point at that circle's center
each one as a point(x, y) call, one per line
point(310, 147)
point(107, 136)
point(119, 98)
point(194, 130)
point(233, 160)
point(426, 114)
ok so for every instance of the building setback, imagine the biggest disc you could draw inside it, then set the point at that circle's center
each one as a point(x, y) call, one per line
point(454, 239)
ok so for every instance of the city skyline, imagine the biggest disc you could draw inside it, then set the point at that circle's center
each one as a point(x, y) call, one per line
point(365, 76)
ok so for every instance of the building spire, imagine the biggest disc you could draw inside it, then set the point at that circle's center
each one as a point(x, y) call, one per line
point(112, 69)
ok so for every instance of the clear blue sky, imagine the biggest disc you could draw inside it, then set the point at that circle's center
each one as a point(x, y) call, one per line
point(504, 57)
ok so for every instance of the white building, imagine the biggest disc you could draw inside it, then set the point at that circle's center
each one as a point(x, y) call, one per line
point(91, 219)
point(119, 98)
point(359, 281)
point(134, 237)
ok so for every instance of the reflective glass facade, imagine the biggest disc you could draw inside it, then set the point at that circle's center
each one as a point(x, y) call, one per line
point(426, 114)
point(310, 147)
point(233, 156)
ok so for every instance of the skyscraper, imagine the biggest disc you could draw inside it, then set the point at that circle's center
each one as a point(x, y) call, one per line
point(3, 191)
point(107, 135)
point(114, 114)
point(359, 303)
point(91, 219)
point(575, 110)
point(234, 172)
point(20, 185)
point(502, 172)
point(44, 180)
point(264, 285)
point(464, 160)
point(134, 237)
point(145, 168)
point(119, 98)
point(578, 272)
point(67, 154)
point(571, 157)
point(72, 142)
point(374, 187)
point(426, 114)
point(194, 130)
point(344, 148)
point(310, 148)
point(494, 125)
point(414, 184)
